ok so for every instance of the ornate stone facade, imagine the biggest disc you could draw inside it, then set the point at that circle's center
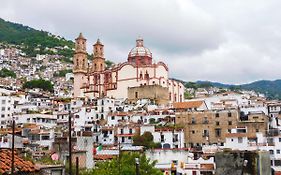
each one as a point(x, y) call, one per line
point(96, 80)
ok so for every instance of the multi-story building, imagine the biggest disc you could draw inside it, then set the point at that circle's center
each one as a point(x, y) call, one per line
point(208, 126)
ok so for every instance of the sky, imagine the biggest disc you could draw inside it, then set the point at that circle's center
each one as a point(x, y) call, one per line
point(220, 40)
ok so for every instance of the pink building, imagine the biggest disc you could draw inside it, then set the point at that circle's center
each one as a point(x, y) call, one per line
point(97, 80)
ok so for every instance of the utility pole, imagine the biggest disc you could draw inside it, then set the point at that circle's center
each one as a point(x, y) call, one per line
point(119, 158)
point(13, 147)
point(77, 166)
point(137, 166)
point(70, 144)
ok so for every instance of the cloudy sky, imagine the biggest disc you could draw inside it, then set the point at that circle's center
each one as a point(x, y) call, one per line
point(220, 40)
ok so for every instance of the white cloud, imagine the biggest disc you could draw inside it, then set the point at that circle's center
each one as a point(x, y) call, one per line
point(228, 41)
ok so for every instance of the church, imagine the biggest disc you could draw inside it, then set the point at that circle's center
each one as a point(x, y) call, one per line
point(136, 78)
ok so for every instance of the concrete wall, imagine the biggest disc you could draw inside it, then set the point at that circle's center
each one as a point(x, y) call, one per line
point(234, 163)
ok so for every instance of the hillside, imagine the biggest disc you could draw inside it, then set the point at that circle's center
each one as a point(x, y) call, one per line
point(33, 41)
point(272, 89)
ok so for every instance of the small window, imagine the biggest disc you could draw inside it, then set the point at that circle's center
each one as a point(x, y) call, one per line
point(229, 114)
point(217, 123)
point(217, 115)
point(218, 132)
point(240, 140)
point(278, 151)
point(229, 122)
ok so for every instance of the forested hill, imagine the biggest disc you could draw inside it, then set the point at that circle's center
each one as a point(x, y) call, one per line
point(33, 41)
point(272, 89)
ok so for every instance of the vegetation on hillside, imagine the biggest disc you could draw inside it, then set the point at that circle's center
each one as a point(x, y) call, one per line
point(271, 89)
point(33, 41)
point(40, 83)
point(126, 164)
point(195, 85)
point(7, 73)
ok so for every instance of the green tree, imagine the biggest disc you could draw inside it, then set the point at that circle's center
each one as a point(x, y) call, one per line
point(40, 83)
point(126, 165)
point(146, 140)
point(7, 73)
point(108, 63)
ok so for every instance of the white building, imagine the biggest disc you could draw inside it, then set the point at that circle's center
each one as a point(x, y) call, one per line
point(169, 138)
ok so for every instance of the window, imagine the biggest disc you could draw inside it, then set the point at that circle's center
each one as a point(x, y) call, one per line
point(3, 108)
point(136, 95)
point(3, 101)
point(229, 114)
point(217, 115)
point(280, 139)
point(2, 115)
point(123, 139)
point(217, 132)
point(278, 151)
point(205, 120)
point(193, 132)
point(229, 122)
point(205, 133)
point(240, 140)
point(130, 131)
point(112, 118)
point(277, 162)
point(121, 131)
point(193, 120)
point(162, 138)
point(271, 151)
point(217, 123)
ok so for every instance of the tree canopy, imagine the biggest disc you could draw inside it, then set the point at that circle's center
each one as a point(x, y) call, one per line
point(126, 165)
point(146, 140)
point(7, 73)
point(40, 83)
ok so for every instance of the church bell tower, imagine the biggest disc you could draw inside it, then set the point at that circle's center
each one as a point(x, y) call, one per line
point(80, 63)
point(98, 64)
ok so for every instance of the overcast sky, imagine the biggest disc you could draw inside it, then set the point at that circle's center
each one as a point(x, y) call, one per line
point(230, 41)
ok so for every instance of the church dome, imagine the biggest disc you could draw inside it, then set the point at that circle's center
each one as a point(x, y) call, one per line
point(140, 50)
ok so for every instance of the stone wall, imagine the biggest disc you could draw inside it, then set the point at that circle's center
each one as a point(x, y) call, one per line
point(155, 93)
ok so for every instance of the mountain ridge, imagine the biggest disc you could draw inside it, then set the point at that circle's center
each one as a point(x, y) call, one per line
point(270, 88)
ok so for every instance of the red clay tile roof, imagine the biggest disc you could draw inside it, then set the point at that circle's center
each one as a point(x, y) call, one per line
point(20, 164)
point(207, 167)
point(188, 104)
